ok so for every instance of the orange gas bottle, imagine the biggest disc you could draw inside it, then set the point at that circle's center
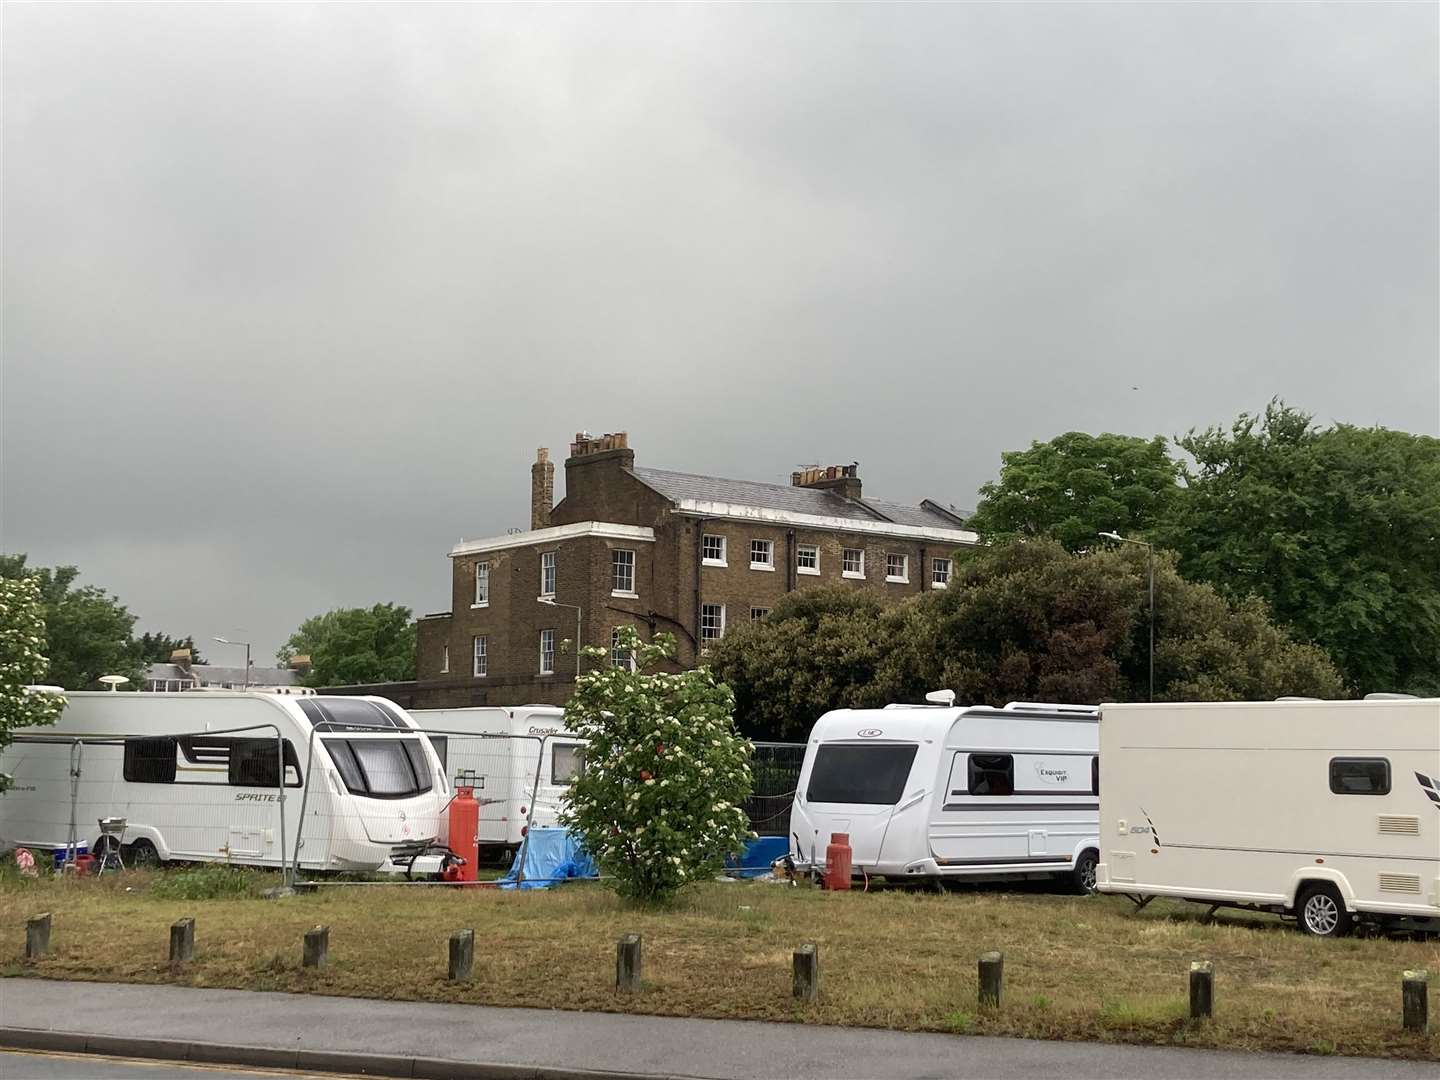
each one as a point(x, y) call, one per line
point(465, 834)
point(837, 861)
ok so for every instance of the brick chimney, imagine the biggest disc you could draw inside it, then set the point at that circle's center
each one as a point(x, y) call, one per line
point(542, 489)
point(844, 480)
point(181, 658)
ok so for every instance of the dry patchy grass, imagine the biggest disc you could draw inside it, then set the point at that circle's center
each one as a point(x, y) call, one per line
point(1075, 968)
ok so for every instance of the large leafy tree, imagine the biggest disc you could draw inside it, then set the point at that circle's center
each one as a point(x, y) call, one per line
point(817, 647)
point(1020, 621)
point(1076, 485)
point(157, 648)
point(87, 631)
point(1030, 621)
point(22, 663)
point(1337, 529)
point(355, 645)
point(659, 804)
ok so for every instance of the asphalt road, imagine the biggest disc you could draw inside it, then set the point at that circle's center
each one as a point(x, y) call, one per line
point(43, 1066)
point(636, 1046)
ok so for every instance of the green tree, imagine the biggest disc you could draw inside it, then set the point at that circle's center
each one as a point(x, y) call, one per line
point(1020, 621)
point(157, 648)
point(1336, 529)
point(87, 631)
point(1076, 485)
point(659, 803)
point(22, 663)
point(816, 647)
point(355, 645)
point(1031, 621)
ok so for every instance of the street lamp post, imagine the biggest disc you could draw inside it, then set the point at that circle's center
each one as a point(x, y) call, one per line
point(552, 602)
point(246, 684)
point(1150, 550)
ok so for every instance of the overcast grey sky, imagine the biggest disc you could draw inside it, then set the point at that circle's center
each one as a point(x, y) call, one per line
point(292, 293)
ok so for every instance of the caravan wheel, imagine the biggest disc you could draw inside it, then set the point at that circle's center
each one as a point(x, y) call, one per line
point(1082, 878)
point(142, 855)
point(1320, 912)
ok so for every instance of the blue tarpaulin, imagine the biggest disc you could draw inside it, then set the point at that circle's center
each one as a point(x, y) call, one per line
point(759, 853)
point(552, 855)
point(548, 856)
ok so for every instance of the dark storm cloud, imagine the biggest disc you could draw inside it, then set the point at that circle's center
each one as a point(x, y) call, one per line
point(292, 293)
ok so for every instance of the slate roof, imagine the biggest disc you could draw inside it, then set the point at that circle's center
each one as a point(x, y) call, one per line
point(677, 486)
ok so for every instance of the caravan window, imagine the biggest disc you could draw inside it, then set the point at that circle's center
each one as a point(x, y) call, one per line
point(1360, 776)
point(869, 775)
point(441, 745)
point(254, 763)
point(992, 774)
point(149, 761)
point(567, 763)
point(381, 768)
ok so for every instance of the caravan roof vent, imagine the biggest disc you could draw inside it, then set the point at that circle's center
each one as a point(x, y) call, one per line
point(941, 697)
point(1391, 697)
point(1043, 706)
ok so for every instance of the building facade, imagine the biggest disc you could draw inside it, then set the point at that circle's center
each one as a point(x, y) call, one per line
point(664, 552)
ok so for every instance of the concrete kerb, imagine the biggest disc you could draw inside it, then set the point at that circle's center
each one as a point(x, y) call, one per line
point(70, 1042)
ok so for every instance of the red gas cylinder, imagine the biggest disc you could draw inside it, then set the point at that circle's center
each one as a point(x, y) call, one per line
point(465, 834)
point(837, 861)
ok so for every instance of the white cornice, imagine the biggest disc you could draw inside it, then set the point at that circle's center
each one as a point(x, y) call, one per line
point(736, 512)
point(604, 530)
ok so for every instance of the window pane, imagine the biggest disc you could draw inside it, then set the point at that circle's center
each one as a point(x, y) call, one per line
point(149, 761)
point(387, 767)
point(874, 775)
point(547, 574)
point(854, 562)
point(712, 621)
point(482, 583)
point(567, 763)
point(1360, 776)
point(622, 566)
point(760, 552)
point(713, 548)
point(992, 774)
point(346, 714)
point(441, 745)
point(344, 759)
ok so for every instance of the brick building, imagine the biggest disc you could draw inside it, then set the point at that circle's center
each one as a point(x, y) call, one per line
point(662, 551)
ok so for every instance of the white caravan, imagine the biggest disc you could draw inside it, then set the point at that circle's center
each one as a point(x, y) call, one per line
point(196, 777)
point(1325, 810)
point(952, 792)
point(520, 761)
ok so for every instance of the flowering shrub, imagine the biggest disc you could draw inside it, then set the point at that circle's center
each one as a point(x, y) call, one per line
point(22, 633)
point(658, 804)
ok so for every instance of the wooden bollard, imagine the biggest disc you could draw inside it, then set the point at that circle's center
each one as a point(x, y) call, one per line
point(37, 936)
point(317, 946)
point(1414, 993)
point(807, 972)
point(1202, 989)
point(462, 955)
point(627, 963)
point(992, 975)
point(182, 941)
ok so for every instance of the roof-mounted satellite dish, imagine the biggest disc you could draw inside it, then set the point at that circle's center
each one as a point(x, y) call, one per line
point(113, 681)
point(941, 697)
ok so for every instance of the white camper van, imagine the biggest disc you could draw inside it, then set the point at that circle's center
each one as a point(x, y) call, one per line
point(1325, 810)
point(196, 776)
point(520, 761)
point(947, 791)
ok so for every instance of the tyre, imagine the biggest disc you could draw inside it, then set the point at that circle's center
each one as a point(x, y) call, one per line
point(1320, 912)
point(1082, 877)
point(143, 855)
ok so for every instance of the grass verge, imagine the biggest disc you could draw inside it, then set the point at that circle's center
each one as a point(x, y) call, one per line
point(1075, 968)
